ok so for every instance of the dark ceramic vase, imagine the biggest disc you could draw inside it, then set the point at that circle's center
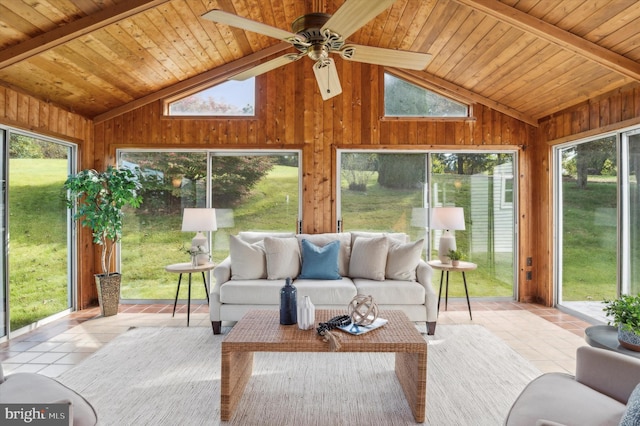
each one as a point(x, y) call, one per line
point(288, 305)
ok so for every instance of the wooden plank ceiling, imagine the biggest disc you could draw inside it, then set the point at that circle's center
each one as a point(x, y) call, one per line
point(527, 58)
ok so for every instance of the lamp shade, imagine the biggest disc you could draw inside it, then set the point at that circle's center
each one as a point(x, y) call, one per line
point(199, 220)
point(450, 218)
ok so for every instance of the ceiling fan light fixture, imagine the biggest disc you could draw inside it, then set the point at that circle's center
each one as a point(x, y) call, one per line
point(318, 52)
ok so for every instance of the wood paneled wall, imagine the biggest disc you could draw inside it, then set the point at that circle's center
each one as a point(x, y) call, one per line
point(291, 114)
point(607, 113)
point(25, 112)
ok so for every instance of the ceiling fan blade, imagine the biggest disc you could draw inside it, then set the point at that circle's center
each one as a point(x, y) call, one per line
point(354, 14)
point(387, 57)
point(327, 78)
point(227, 18)
point(267, 66)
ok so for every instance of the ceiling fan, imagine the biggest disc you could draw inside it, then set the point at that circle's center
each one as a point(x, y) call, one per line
point(317, 35)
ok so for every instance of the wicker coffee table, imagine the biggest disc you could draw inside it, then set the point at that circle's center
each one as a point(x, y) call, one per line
point(260, 331)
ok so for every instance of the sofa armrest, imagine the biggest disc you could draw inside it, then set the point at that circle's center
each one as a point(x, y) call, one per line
point(611, 373)
point(221, 274)
point(424, 272)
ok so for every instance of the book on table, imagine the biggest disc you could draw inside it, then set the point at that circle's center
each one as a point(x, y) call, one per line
point(356, 329)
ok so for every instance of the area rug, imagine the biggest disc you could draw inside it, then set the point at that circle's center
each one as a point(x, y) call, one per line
point(170, 376)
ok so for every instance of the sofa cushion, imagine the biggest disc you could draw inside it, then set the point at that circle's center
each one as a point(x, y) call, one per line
point(324, 239)
point(631, 416)
point(326, 292)
point(251, 292)
point(283, 258)
point(570, 403)
point(369, 258)
point(320, 262)
point(248, 261)
point(392, 292)
point(403, 259)
point(256, 236)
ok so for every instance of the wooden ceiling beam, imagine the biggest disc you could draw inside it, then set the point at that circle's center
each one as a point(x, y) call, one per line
point(211, 77)
point(75, 29)
point(444, 87)
point(557, 36)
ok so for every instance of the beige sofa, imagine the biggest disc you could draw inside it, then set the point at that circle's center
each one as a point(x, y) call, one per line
point(330, 268)
point(601, 393)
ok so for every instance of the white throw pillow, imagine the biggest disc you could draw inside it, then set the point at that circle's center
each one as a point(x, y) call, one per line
point(248, 261)
point(403, 259)
point(283, 258)
point(369, 258)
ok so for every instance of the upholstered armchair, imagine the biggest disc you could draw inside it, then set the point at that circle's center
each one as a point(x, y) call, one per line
point(33, 388)
point(601, 393)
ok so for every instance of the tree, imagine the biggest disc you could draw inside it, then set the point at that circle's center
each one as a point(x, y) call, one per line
point(233, 177)
point(405, 99)
point(357, 169)
point(591, 158)
point(469, 164)
point(181, 175)
point(401, 171)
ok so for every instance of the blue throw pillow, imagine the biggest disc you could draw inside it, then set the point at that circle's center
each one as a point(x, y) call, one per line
point(631, 415)
point(320, 263)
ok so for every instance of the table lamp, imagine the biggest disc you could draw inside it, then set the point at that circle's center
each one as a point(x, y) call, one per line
point(199, 220)
point(447, 219)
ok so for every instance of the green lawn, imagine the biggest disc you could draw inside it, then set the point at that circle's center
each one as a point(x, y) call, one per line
point(38, 268)
point(153, 239)
point(38, 241)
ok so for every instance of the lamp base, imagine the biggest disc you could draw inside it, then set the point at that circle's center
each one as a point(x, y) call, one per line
point(199, 242)
point(447, 242)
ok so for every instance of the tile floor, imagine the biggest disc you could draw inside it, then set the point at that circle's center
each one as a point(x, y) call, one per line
point(545, 336)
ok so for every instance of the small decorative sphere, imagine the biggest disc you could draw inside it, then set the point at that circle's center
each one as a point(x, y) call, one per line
point(363, 310)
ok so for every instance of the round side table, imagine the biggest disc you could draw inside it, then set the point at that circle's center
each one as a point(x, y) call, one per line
point(188, 268)
point(447, 267)
point(606, 337)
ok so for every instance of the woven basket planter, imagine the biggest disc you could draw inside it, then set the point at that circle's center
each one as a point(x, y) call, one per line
point(108, 293)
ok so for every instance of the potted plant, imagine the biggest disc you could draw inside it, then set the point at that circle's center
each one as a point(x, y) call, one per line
point(98, 198)
point(625, 314)
point(455, 256)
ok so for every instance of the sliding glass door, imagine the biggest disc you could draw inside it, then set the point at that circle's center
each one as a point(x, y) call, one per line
point(39, 258)
point(631, 214)
point(4, 286)
point(587, 218)
point(250, 191)
point(483, 185)
point(394, 192)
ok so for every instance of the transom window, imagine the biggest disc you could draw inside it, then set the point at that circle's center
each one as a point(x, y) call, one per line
point(231, 98)
point(403, 99)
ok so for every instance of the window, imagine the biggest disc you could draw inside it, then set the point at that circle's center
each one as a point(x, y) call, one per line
point(403, 99)
point(231, 98)
point(389, 192)
point(250, 190)
point(506, 198)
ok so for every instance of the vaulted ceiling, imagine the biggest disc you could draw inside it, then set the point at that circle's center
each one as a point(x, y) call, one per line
point(526, 58)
